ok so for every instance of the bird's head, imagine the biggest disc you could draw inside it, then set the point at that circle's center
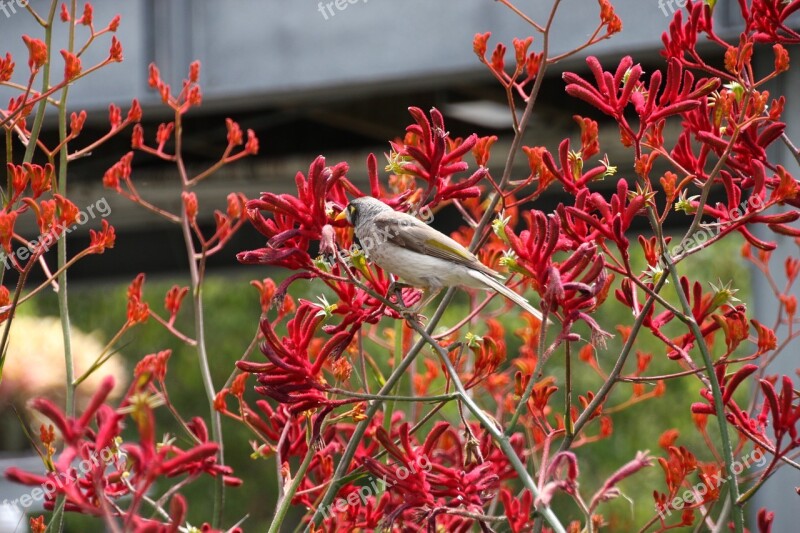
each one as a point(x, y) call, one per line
point(360, 209)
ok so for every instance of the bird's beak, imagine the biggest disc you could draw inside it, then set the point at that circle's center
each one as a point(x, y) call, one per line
point(342, 215)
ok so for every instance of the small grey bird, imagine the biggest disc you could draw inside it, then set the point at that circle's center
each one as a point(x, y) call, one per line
point(421, 256)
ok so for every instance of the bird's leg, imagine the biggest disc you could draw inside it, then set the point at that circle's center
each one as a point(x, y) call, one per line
point(413, 313)
point(396, 287)
point(424, 303)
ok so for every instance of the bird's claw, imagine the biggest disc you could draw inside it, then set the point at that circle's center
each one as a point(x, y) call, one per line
point(413, 316)
point(396, 289)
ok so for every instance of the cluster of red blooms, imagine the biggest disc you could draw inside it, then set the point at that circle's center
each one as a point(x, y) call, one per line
point(566, 256)
point(34, 187)
point(327, 439)
point(99, 472)
point(113, 476)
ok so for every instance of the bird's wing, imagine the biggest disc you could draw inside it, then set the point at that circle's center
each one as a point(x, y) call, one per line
point(408, 232)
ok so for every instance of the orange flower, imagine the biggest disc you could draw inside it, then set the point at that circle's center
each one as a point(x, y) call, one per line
point(37, 52)
point(72, 65)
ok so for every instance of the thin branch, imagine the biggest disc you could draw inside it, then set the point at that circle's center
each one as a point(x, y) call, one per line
point(792, 148)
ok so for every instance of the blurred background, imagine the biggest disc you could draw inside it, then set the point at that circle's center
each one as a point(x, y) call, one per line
point(334, 78)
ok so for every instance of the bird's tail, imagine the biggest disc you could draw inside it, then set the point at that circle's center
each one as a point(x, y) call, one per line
point(505, 291)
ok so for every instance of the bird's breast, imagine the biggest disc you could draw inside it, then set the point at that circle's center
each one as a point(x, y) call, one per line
point(418, 269)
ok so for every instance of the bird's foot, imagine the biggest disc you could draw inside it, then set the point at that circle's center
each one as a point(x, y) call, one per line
point(396, 289)
point(413, 316)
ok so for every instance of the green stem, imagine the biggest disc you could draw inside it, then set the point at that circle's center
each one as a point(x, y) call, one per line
point(205, 369)
point(694, 327)
point(63, 301)
point(361, 428)
point(568, 392)
point(57, 518)
point(719, 406)
point(500, 438)
point(286, 501)
point(417, 399)
point(199, 322)
point(398, 358)
point(40, 110)
point(541, 356)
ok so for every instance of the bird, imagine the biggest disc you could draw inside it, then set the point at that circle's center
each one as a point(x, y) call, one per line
point(419, 255)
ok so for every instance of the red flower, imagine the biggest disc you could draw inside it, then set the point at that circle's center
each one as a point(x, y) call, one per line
point(101, 240)
point(765, 519)
point(120, 170)
point(138, 311)
point(517, 510)
point(680, 464)
point(190, 205)
point(572, 285)
point(153, 366)
point(612, 93)
point(6, 68)
point(40, 178)
point(767, 19)
point(173, 300)
point(7, 220)
point(88, 15)
point(37, 52)
point(435, 476)
point(413, 488)
point(428, 153)
point(297, 221)
point(115, 53)
point(114, 24)
point(76, 122)
point(72, 65)
point(37, 524)
point(108, 471)
point(291, 376)
point(785, 412)
point(525, 63)
point(135, 112)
